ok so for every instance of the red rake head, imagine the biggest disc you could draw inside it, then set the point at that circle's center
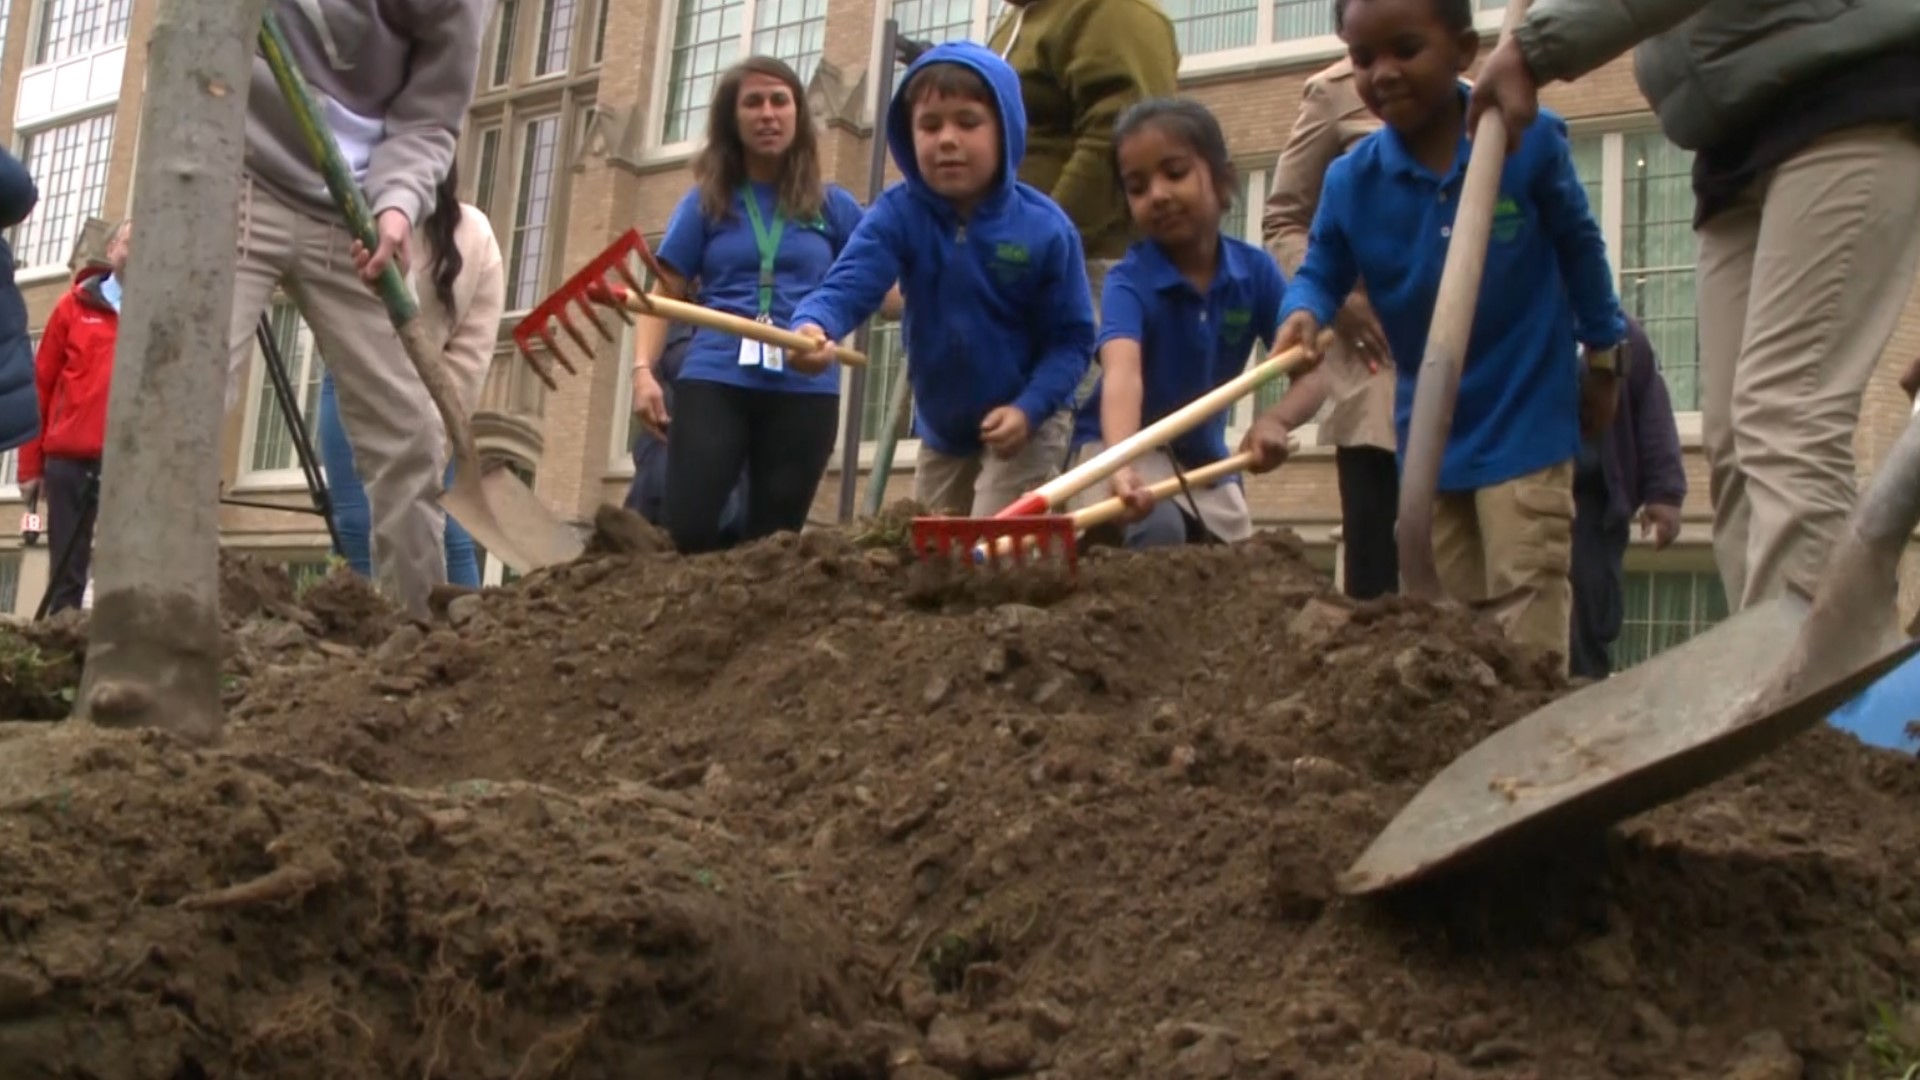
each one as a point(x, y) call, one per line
point(998, 541)
point(588, 286)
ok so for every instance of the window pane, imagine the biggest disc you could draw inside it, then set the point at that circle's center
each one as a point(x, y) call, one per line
point(503, 42)
point(1656, 256)
point(1295, 20)
point(556, 37)
point(69, 163)
point(1204, 26)
point(272, 439)
point(73, 27)
point(886, 364)
point(703, 47)
point(931, 22)
point(486, 170)
point(1666, 608)
point(792, 30)
point(533, 211)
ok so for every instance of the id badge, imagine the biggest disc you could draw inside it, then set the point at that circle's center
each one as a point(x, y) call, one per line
point(773, 358)
point(750, 351)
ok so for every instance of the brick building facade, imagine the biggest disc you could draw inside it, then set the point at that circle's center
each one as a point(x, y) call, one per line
point(585, 118)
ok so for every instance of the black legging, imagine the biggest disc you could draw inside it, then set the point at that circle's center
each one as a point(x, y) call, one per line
point(1369, 504)
point(783, 441)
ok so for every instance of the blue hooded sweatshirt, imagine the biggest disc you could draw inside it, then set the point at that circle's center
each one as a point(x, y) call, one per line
point(998, 310)
point(19, 401)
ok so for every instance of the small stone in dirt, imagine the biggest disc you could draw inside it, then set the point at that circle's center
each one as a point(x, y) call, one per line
point(1004, 1049)
point(1049, 690)
point(905, 819)
point(1317, 774)
point(1499, 1051)
point(1011, 618)
point(994, 663)
point(950, 1045)
point(565, 665)
point(1765, 1055)
point(400, 646)
point(1187, 1033)
point(1318, 619)
point(1211, 1058)
point(918, 1000)
point(593, 747)
point(462, 609)
point(1048, 1018)
point(278, 636)
point(937, 690)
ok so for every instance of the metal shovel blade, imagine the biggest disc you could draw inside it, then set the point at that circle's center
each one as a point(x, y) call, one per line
point(508, 520)
point(1682, 719)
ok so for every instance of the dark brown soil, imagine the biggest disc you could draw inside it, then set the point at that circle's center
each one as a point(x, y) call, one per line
point(941, 825)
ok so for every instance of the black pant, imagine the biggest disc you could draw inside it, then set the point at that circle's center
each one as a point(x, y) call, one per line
point(1599, 587)
point(1369, 505)
point(72, 490)
point(783, 441)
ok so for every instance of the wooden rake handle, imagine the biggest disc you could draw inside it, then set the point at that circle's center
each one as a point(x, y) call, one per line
point(1167, 428)
point(667, 307)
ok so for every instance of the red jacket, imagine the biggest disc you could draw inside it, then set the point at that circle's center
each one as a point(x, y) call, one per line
point(72, 371)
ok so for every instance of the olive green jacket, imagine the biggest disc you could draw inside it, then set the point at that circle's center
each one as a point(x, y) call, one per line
point(1712, 68)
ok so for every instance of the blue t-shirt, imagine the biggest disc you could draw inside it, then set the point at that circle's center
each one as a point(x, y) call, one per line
point(1189, 343)
point(1547, 288)
point(725, 258)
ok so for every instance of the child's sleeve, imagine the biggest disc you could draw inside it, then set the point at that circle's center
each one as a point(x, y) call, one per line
point(1067, 333)
point(1582, 251)
point(684, 246)
point(1123, 315)
point(866, 268)
point(1328, 273)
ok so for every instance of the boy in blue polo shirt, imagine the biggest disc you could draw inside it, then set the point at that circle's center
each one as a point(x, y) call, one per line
point(1179, 316)
point(1502, 528)
point(999, 321)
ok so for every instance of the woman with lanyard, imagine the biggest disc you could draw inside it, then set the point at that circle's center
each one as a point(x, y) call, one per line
point(757, 232)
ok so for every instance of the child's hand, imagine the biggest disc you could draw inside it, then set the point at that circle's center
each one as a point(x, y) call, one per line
point(1359, 327)
point(815, 360)
point(1139, 499)
point(1269, 440)
point(1599, 401)
point(1301, 329)
point(1005, 430)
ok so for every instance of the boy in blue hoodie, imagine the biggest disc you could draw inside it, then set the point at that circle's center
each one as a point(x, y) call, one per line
point(1503, 520)
point(999, 321)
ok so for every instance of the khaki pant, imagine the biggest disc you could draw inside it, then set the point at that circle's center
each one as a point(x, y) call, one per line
point(1509, 547)
point(1222, 508)
point(985, 484)
point(399, 444)
point(1800, 286)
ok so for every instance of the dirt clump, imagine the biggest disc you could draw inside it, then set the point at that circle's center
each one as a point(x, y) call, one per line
point(1089, 830)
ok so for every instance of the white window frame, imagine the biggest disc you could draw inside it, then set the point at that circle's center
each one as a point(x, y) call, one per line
point(557, 201)
point(571, 48)
point(55, 91)
point(505, 21)
point(1612, 132)
point(246, 477)
point(34, 273)
point(662, 98)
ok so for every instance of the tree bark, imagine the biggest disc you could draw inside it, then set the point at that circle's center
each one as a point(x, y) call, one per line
point(154, 653)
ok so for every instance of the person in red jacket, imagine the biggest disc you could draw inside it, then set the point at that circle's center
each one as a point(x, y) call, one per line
point(72, 371)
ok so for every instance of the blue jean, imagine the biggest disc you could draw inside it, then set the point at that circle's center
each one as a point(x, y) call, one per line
point(351, 517)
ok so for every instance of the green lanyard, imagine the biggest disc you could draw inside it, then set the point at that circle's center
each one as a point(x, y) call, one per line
point(769, 244)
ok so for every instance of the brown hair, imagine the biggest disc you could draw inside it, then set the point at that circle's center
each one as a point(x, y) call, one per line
point(721, 167)
point(948, 80)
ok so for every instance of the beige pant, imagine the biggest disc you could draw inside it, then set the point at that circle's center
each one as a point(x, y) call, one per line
point(1509, 547)
point(985, 484)
point(1222, 508)
point(399, 444)
point(1800, 286)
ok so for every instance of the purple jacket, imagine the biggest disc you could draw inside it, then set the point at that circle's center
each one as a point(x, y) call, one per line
point(1641, 456)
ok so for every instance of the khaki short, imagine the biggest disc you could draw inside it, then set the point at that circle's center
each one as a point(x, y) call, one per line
point(1509, 547)
point(985, 484)
point(1221, 509)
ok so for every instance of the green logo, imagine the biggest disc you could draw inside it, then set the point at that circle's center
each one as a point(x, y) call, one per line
point(1507, 219)
point(1236, 323)
point(1011, 262)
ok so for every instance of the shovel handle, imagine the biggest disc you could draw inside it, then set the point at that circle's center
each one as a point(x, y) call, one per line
point(1438, 384)
point(667, 307)
point(1169, 427)
point(1112, 509)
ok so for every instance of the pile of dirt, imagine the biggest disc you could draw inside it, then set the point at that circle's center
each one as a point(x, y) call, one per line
point(1075, 832)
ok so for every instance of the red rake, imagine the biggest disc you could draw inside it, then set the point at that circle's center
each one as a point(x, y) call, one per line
point(608, 280)
point(1030, 529)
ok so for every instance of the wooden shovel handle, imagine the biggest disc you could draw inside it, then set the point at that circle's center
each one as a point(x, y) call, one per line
point(1111, 509)
point(1169, 427)
point(701, 315)
point(1438, 383)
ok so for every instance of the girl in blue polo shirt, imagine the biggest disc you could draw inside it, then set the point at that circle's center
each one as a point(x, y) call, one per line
point(757, 232)
point(1179, 316)
point(1503, 518)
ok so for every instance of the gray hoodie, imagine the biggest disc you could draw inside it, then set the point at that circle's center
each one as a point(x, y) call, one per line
point(395, 78)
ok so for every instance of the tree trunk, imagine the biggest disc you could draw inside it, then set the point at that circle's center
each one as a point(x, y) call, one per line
point(154, 657)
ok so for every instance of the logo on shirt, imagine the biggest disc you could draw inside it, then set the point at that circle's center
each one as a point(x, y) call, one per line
point(1507, 219)
point(1235, 324)
point(1010, 262)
